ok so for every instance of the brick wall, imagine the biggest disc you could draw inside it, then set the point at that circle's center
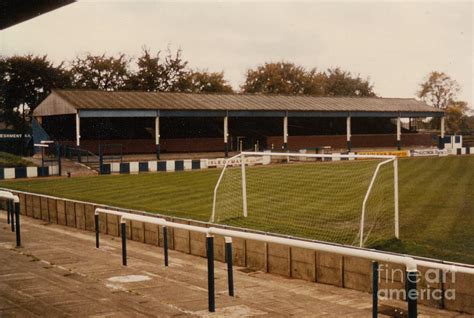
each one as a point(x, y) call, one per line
point(358, 141)
point(137, 146)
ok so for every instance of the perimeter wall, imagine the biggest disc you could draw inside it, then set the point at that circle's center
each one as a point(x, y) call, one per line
point(326, 268)
point(136, 146)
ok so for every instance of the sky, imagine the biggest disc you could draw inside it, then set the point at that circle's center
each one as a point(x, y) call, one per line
point(394, 44)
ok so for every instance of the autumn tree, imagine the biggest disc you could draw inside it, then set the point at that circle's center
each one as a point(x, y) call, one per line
point(100, 72)
point(205, 82)
point(456, 117)
point(289, 78)
point(25, 81)
point(156, 74)
point(283, 78)
point(342, 83)
point(439, 90)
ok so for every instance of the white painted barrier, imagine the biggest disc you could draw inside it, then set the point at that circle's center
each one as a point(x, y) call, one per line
point(409, 262)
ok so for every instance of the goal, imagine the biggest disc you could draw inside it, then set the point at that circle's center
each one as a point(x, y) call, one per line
point(341, 198)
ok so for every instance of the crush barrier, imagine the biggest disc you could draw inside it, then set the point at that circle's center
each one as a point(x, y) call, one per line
point(13, 213)
point(410, 263)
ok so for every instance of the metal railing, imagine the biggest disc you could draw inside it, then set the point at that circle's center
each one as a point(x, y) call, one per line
point(410, 263)
point(81, 155)
point(13, 213)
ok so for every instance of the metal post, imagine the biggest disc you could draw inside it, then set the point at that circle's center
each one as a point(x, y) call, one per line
point(58, 157)
point(165, 244)
point(123, 232)
point(399, 133)
point(157, 137)
point(12, 211)
point(42, 157)
point(244, 186)
point(375, 289)
point(285, 132)
point(17, 223)
point(210, 273)
point(349, 133)
point(395, 190)
point(226, 135)
point(412, 294)
point(97, 230)
point(228, 258)
point(101, 158)
point(8, 211)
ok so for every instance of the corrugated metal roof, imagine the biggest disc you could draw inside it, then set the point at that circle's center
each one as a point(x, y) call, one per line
point(97, 100)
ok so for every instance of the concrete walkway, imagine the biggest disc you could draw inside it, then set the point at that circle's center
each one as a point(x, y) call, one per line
point(59, 273)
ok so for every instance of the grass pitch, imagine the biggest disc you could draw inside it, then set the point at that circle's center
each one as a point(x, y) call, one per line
point(436, 201)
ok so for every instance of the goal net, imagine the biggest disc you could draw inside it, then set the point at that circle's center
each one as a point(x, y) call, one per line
point(346, 199)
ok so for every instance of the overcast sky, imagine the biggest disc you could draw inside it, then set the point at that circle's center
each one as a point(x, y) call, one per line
point(395, 44)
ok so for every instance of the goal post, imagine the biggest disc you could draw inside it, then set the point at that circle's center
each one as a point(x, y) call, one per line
point(341, 198)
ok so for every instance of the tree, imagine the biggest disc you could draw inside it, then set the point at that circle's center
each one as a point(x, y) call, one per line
point(150, 74)
point(100, 72)
point(159, 75)
point(283, 78)
point(205, 82)
point(25, 81)
point(289, 78)
point(342, 83)
point(439, 90)
point(456, 117)
point(175, 71)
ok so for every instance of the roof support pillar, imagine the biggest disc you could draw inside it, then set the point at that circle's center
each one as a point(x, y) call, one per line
point(157, 136)
point(226, 136)
point(78, 130)
point(442, 126)
point(442, 132)
point(399, 133)
point(349, 133)
point(285, 132)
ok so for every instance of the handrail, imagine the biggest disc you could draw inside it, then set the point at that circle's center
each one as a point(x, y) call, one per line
point(9, 196)
point(410, 263)
point(13, 211)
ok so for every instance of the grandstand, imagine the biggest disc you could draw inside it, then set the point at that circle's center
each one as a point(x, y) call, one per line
point(144, 122)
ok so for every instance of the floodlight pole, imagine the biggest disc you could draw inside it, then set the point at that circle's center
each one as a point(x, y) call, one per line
point(244, 185)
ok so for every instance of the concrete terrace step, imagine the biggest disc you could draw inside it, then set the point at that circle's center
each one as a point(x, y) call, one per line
point(70, 277)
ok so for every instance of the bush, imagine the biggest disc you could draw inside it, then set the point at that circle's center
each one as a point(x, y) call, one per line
point(8, 160)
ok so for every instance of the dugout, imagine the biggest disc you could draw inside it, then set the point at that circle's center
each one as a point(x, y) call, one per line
point(147, 122)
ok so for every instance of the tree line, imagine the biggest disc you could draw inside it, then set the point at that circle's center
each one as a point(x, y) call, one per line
point(25, 81)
